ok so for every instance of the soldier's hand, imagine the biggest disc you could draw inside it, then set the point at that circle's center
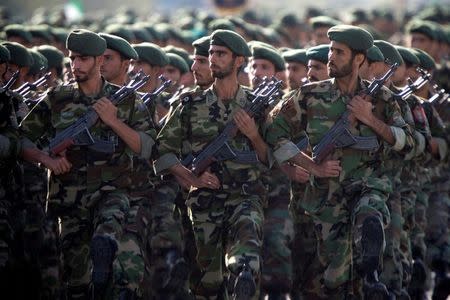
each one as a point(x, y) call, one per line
point(58, 165)
point(361, 108)
point(328, 168)
point(295, 173)
point(185, 184)
point(106, 110)
point(208, 180)
point(246, 124)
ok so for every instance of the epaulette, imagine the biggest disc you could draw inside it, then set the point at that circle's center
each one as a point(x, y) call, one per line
point(192, 95)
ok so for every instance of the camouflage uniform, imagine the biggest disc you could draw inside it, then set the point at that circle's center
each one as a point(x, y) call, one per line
point(338, 205)
point(91, 198)
point(227, 222)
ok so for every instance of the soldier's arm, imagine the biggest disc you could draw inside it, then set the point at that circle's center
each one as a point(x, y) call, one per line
point(287, 127)
point(170, 142)
point(438, 145)
point(35, 125)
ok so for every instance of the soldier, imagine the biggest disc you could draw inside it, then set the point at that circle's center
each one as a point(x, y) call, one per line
point(346, 197)
point(55, 63)
point(152, 60)
point(317, 62)
point(276, 277)
point(174, 70)
point(200, 66)
point(320, 26)
point(18, 33)
point(87, 187)
point(118, 56)
point(297, 67)
point(226, 213)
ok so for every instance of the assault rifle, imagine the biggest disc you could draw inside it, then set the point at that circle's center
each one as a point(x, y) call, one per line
point(438, 98)
point(10, 82)
point(147, 98)
point(414, 86)
point(339, 136)
point(78, 133)
point(27, 87)
point(219, 149)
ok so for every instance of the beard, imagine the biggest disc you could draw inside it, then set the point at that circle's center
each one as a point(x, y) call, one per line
point(226, 71)
point(81, 77)
point(342, 72)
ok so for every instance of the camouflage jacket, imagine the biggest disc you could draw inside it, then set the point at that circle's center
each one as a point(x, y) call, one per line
point(61, 107)
point(313, 109)
point(195, 122)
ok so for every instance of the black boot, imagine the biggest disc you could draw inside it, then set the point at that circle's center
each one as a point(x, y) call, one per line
point(177, 271)
point(372, 247)
point(103, 251)
point(245, 287)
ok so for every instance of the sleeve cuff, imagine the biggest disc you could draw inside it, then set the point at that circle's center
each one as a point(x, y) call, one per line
point(400, 138)
point(165, 162)
point(420, 143)
point(443, 147)
point(147, 144)
point(286, 152)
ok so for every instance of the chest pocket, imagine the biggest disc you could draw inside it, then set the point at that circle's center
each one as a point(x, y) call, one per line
point(204, 125)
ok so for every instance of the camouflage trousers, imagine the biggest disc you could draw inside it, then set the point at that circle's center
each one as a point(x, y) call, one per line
point(338, 226)
point(278, 234)
point(227, 227)
point(392, 274)
point(408, 198)
point(101, 213)
point(161, 230)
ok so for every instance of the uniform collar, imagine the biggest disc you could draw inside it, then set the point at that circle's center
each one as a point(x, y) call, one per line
point(240, 97)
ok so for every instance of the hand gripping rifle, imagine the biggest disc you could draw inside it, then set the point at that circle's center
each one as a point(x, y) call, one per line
point(219, 149)
point(78, 133)
point(339, 136)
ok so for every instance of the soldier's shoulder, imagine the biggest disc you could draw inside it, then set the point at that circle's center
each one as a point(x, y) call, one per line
point(192, 95)
point(322, 86)
point(61, 89)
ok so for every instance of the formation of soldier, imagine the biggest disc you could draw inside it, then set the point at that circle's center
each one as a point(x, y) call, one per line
point(225, 159)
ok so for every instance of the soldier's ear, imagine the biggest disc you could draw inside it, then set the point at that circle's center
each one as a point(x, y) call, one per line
point(240, 60)
point(359, 59)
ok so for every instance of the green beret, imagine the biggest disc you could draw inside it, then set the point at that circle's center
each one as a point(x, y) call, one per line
point(40, 63)
point(4, 54)
point(372, 30)
point(221, 24)
point(178, 62)
point(358, 16)
point(19, 54)
point(353, 36)
point(296, 55)
point(18, 30)
point(121, 31)
point(408, 55)
point(54, 56)
point(141, 34)
point(323, 21)
point(180, 52)
point(232, 41)
point(272, 55)
point(161, 30)
point(374, 54)
point(152, 54)
point(86, 42)
point(120, 45)
point(390, 53)
point(289, 20)
point(41, 31)
point(319, 53)
point(201, 46)
point(426, 61)
point(59, 34)
point(420, 26)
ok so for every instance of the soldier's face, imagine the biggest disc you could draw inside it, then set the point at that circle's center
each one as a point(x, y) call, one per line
point(201, 71)
point(84, 67)
point(317, 70)
point(172, 73)
point(113, 65)
point(340, 60)
point(296, 73)
point(260, 68)
point(320, 35)
point(222, 62)
point(421, 41)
